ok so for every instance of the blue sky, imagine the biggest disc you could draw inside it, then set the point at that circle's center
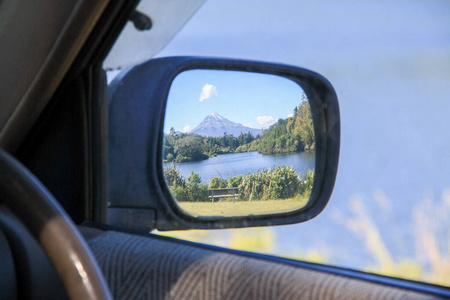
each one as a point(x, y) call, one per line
point(254, 100)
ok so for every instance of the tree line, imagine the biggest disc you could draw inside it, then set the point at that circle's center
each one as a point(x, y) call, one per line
point(293, 134)
point(184, 147)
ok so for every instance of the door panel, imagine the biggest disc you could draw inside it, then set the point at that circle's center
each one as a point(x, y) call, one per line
point(150, 267)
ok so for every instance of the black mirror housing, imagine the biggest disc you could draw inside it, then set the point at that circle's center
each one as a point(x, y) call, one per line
point(139, 197)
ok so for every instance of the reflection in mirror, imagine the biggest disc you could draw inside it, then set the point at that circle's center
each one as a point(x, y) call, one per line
point(238, 144)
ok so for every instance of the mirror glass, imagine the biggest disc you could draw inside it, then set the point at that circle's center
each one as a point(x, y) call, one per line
point(238, 143)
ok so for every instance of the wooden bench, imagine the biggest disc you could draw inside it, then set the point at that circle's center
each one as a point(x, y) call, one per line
point(223, 193)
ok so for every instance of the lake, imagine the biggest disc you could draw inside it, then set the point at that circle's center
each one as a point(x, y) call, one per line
point(228, 165)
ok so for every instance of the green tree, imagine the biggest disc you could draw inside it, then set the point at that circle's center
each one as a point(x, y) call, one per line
point(304, 127)
point(234, 181)
point(293, 134)
point(284, 183)
point(180, 194)
point(189, 148)
point(169, 157)
point(173, 177)
point(196, 190)
point(217, 183)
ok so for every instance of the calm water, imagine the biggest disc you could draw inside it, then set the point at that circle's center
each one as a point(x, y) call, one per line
point(227, 165)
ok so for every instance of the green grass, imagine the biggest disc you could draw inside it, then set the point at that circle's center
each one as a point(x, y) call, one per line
point(242, 208)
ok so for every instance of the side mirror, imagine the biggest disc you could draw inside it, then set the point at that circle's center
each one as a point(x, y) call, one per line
point(217, 143)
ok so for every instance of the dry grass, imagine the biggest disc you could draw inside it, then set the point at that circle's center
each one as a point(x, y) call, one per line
point(432, 260)
point(242, 208)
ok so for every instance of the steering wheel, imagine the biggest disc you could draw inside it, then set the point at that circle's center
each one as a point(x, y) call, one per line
point(35, 206)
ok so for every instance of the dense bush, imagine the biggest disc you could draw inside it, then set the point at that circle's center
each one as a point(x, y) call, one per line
point(180, 194)
point(255, 186)
point(186, 190)
point(217, 183)
point(173, 177)
point(280, 183)
point(306, 183)
point(284, 183)
point(234, 181)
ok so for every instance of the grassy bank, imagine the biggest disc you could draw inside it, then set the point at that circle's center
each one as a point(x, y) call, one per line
point(242, 208)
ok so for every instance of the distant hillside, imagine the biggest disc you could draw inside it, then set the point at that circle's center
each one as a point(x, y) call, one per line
point(215, 125)
point(293, 134)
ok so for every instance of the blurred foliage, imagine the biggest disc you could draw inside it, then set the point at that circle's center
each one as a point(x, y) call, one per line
point(432, 260)
point(261, 239)
point(250, 239)
point(313, 256)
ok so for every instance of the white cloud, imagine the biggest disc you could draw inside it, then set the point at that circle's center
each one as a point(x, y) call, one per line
point(187, 128)
point(266, 120)
point(290, 115)
point(208, 91)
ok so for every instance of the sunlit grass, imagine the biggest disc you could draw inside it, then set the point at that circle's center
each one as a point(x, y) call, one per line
point(243, 208)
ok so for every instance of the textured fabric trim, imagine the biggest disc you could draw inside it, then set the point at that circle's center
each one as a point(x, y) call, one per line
point(138, 267)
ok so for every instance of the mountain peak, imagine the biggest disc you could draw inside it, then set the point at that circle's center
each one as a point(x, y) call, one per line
point(216, 125)
point(216, 115)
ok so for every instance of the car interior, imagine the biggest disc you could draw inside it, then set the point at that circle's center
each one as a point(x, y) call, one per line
point(59, 236)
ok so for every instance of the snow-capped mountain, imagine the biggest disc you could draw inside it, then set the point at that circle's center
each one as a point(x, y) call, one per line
point(216, 125)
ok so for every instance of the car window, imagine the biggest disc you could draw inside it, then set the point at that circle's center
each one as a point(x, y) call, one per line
point(389, 63)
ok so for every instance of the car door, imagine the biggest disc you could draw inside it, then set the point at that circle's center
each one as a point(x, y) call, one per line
point(215, 270)
point(66, 149)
